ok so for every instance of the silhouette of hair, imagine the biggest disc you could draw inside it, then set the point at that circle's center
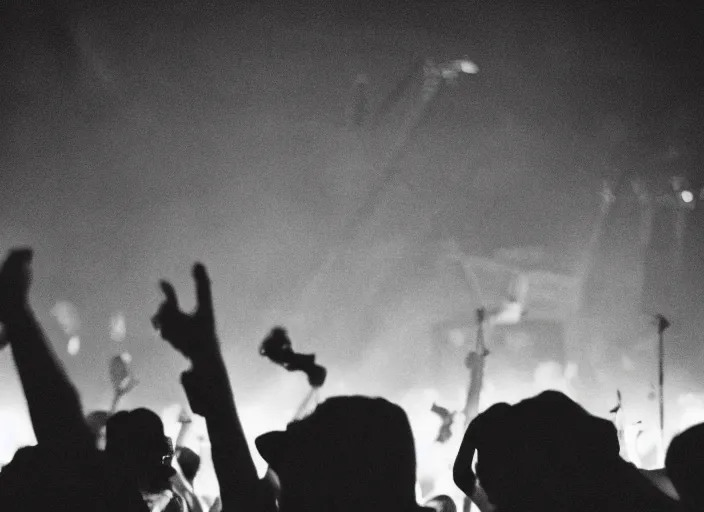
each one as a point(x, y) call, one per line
point(684, 464)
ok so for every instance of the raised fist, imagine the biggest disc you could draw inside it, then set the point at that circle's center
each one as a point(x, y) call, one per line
point(191, 334)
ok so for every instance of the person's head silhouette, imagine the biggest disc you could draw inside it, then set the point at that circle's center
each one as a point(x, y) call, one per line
point(351, 453)
point(135, 441)
point(189, 462)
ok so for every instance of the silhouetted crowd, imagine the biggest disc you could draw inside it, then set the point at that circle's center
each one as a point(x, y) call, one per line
point(352, 453)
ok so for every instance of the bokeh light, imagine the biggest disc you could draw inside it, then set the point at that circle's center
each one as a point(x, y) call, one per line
point(73, 346)
point(118, 327)
point(687, 196)
point(467, 66)
point(66, 315)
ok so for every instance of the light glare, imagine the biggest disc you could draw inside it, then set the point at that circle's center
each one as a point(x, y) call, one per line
point(687, 196)
point(74, 345)
point(66, 315)
point(469, 67)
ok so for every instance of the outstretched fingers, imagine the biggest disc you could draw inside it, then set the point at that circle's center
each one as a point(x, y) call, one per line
point(170, 293)
point(167, 307)
point(186, 332)
point(204, 295)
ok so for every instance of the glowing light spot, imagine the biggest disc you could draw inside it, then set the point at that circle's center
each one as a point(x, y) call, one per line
point(509, 314)
point(118, 328)
point(469, 67)
point(74, 345)
point(687, 196)
point(67, 316)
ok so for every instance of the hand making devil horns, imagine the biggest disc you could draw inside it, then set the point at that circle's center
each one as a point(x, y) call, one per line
point(191, 334)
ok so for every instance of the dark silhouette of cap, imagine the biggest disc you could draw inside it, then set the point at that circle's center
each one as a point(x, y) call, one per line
point(363, 445)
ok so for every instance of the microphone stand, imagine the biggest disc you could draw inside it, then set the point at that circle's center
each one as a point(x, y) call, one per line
point(475, 363)
point(662, 324)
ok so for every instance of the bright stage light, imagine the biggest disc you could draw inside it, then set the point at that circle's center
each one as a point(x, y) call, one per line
point(74, 345)
point(469, 67)
point(687, 196)
point(452, 69)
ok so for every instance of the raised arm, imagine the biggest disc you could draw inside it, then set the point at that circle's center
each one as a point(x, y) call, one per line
point(209, 393)
point(186, 422)
point(54, 405)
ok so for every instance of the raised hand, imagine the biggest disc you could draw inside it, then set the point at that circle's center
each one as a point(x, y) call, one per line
point(53, 403)
point(209, 394)
point(15, 280)
point(191, 334)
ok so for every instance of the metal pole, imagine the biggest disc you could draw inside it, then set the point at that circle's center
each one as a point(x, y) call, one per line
point(663, 324)
point(661, 384)
point(475, 364)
